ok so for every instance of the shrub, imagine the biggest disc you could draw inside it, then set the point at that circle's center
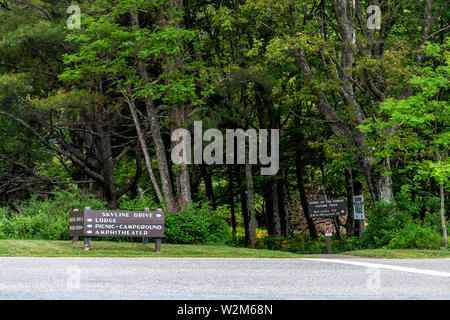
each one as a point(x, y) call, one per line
point(138, 204)
point(49, 220)
point(46, 220)
point(416, 235)
point(434, 221)
point(384, 221)
point(392, 226)
point(195, 224)
point(5, 213)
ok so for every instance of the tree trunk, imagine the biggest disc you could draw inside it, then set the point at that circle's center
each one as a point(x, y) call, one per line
point(350, 193)
point(284, 214)
point(178, 117)
point(384, 184)
point(303, 198)
point(268, 199)
point(444, 227)
point(231, 200)
point(184, 187)
point(106, 159)
point(250, 205)
point(167, 16)
point(156, 129)
point(209, 186)
point(163, 164)
point(380, 187)
point(276, 209)
point(148, 161)
point(244, 208)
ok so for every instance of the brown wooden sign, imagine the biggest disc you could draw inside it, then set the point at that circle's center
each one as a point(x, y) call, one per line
point(110, 223)
point(76, 223)
point(327, 208)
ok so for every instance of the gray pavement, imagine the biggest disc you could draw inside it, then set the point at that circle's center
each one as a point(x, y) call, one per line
point(217, 278)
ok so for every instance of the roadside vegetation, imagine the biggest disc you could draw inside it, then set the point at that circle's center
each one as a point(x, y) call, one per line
point(201, 225)
point(400, 253)
point(353, 105)
point(40, 248)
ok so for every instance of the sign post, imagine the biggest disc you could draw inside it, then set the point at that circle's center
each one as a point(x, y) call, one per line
point(158, 241)
point(327, 209)
point(74, 238)
point(87, 240)
point(358, 211)
point(328, 234)
point(101, 223)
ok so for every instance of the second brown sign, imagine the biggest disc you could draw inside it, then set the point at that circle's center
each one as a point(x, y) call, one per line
point(327, 208)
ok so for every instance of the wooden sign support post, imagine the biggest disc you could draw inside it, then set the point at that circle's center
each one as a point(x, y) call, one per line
point(75, 238)
point(87, 243)
point(361, 228)
point(158, 241)
point(87, 240)
point(329, 245)
point(328, 234)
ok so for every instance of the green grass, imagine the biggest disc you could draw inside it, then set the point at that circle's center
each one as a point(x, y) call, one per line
point(400, 253)
point(41, 248)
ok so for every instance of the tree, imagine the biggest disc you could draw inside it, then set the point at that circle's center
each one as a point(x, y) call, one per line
point(424, 117)
point(137, 48)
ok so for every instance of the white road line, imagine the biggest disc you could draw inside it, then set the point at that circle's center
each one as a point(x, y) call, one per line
point(383, 266)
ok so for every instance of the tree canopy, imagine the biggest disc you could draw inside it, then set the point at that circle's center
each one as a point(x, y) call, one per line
point(357, 89)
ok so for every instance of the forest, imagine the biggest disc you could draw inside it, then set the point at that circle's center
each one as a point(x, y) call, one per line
point(356, 93)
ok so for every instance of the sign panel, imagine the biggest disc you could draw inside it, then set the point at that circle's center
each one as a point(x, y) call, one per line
point(358, 207)
point(327, 208)
point(104, 223)
point(76, 223)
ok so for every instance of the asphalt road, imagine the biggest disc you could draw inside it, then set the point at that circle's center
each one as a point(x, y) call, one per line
point(217, 278)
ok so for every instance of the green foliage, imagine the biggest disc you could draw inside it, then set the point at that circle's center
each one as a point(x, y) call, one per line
point(383, 221)
point(195, 224)
point(107, 47)
point(393, 226)
point(415, 235)
point(421, 134)
point(302, 244)
point(5, 213)
point(224, 212)
point(46, 219)
point(137, 204)
point(49, 220)
point(231, 64)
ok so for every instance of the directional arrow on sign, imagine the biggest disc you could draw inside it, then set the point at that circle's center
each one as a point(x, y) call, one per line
point(89, 225)
point(89, 231)
point(89, 220)
point(158, 215)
